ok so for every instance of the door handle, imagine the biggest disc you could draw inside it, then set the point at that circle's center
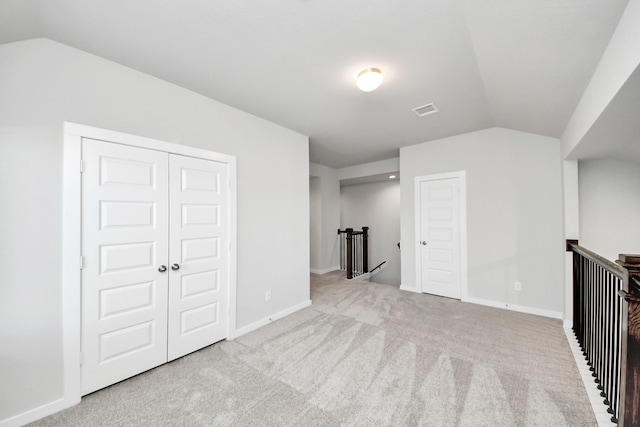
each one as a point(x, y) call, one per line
point(424, 243)
point(162, 268)
point(175, 267)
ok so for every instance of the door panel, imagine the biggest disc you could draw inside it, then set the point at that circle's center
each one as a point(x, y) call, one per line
point(126, 215)
point(126, 298)
point(124, 241)
point(193, 285)
point(440, 245)
point(199, 215)
point(199, 239)
point(199, 250)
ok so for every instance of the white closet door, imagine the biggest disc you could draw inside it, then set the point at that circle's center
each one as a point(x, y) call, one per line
point(199, 240)
point(440, 244)
point(124, 243)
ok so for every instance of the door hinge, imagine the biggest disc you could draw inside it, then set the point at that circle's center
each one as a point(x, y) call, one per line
point(81, 166)
point(81, 262)
point(81, 358)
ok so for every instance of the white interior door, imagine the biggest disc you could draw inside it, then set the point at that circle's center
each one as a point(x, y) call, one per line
point(199, 251)
point(124, 244)
point(439, 245)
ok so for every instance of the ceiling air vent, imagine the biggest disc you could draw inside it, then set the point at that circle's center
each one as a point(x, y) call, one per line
point(425, 110)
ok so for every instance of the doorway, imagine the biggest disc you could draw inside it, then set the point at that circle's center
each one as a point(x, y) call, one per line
point(199, 274)
point(441, 237)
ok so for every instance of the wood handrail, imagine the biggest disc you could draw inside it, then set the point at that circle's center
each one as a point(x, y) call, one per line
point(611, 266)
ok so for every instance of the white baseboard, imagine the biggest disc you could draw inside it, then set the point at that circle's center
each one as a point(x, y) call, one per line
point(567, 323)
point(514, 307)
point(599, 409)
point(260, 323)
point(325, 270)
point(498, 304)
point(408, 289)
point(37, 413)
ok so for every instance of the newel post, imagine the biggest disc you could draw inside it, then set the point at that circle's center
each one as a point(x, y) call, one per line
point(365, 249)
point(630, 371)
point(349, 253)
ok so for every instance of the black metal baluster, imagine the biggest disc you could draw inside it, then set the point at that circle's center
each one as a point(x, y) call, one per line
point(576, 295)
point(365, 249)
point(588, 308)
point(606, 374)
point(359, 254)
point(587, 279)
point(341, 244)
point(349, 253)
point(599, 326)
point(344, 251)
point(358, 248)
point(606, 322)
point(615, 397)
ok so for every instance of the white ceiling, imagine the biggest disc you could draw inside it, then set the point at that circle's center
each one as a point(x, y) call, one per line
point(519, 64)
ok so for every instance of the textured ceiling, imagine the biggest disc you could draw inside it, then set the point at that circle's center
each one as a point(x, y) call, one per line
point(518, 64)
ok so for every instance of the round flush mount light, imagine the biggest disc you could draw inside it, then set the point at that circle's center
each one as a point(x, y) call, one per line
point(368, 79)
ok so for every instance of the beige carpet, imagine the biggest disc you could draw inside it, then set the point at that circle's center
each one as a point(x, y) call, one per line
point(365, 355)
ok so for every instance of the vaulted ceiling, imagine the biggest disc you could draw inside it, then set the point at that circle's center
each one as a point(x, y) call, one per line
point(519, 64)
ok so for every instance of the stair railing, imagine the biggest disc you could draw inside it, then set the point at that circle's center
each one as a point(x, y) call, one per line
point(606, 322)
point(354, 251)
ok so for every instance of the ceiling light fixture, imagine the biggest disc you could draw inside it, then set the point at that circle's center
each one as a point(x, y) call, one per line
point(369, 79)
point(391, 176)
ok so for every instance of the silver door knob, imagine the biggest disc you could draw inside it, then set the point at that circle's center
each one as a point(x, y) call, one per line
point(424, 243)
point(175, 267)
point(162, 268)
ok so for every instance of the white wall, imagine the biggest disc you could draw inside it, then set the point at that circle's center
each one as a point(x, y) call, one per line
point(610, 207)
point(571, 199)
point(514, 213)
point(571, 229)
point(42, 84)
point(377, 206)
point(328, 218)
point(315, 222)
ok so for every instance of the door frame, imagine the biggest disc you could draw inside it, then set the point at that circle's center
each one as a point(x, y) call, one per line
point(72, 234)
point(462, 180)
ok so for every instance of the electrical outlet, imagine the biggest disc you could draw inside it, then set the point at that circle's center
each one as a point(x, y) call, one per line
point(517, 286)
point(267, 296)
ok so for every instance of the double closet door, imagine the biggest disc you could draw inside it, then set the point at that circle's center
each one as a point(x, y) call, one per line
point(155, 238)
